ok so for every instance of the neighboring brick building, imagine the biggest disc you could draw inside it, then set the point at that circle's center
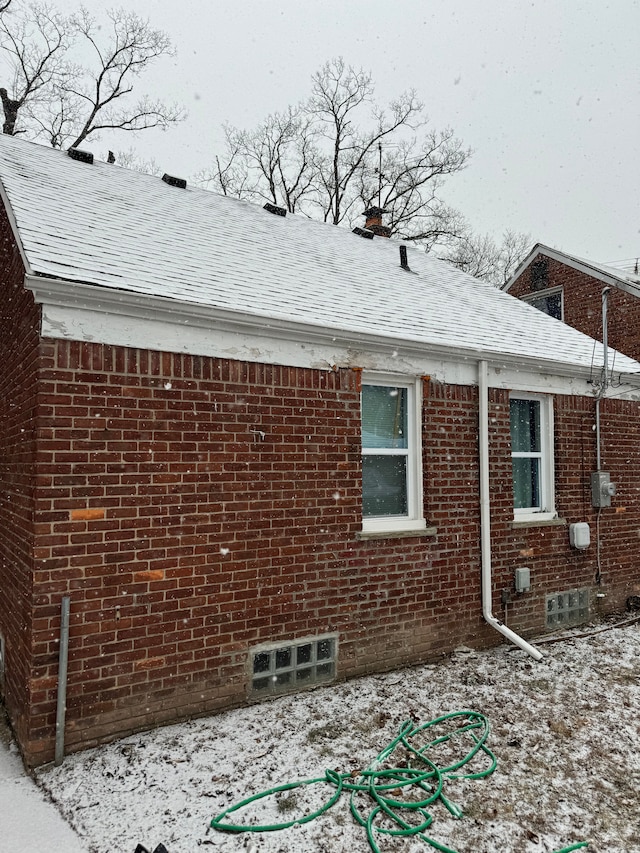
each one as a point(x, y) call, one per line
point(256, 453)
point(570, 289)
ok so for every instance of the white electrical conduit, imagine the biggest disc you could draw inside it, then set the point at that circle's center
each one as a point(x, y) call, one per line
point(485, 517)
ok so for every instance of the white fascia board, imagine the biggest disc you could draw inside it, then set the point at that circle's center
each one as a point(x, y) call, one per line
point(575, 263)
point(541, 383)
point(82, 312)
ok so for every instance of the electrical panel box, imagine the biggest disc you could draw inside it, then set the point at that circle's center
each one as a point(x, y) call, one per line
point(602, 489)
point(579, 535)
point(523, 580)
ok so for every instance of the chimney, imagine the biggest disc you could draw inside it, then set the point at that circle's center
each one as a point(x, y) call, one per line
point(374, 222)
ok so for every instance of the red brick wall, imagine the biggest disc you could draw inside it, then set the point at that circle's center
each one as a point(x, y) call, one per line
point(193, 508)
point(19, 326)
point(583, 305)
point(555, 566)
point(184, 537)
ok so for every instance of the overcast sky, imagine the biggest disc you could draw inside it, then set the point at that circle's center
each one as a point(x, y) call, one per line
point(546, 93)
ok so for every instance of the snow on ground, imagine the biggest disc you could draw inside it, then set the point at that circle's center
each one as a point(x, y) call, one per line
point(565, 733)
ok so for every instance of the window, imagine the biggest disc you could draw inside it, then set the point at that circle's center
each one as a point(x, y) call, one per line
point(550, 302)
point(293, 666)
point(532, 457)
point(391, 457)
point(567, 608)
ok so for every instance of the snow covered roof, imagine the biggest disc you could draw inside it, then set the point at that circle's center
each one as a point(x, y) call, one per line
point(125, 232)
point(624, 279)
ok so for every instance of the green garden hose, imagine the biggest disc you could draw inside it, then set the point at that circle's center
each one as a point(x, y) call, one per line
point(384, 787)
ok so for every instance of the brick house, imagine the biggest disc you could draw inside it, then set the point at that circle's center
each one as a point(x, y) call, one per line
point(256, 452)
point(570, 289)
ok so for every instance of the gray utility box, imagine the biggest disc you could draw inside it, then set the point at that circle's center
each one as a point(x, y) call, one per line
point(523, 580)
point(602, 488)
point(579, 535)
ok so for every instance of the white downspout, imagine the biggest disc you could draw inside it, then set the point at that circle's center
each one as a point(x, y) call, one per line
point(485, 517)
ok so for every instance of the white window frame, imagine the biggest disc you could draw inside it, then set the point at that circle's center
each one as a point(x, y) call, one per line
point(544, 294)
point(547, 510)
point(414, 520)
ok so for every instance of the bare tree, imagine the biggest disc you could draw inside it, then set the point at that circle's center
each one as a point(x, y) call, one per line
point(129, 159)
point(407, 183)
point(323, 158)
point(101, 96)
point(34, 42)
point(67, 101)
point(481, 256)
point(274, 162)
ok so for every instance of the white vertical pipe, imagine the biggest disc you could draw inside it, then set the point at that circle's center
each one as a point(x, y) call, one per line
point(63, 654)
point(598, 460)
point(485, 517)
point(605, 370)
point(605, 337)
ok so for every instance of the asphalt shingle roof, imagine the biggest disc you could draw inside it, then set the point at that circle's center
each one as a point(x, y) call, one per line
point(113, 228)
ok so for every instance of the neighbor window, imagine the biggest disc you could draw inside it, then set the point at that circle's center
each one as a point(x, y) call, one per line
point(391, 457)
point(549, 302)
point(532, 456)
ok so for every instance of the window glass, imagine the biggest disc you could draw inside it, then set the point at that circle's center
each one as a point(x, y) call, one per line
point(384, 485)
point(525, 426)
point(282, 669)
point(551, 305)
point(391, 455)
point(384, 416)
point(526, 453)
point(531, 455)
point(526, 483)
point(385, 451)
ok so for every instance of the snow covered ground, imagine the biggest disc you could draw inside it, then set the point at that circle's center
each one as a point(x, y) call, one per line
point(28, 822)
point(565, 732)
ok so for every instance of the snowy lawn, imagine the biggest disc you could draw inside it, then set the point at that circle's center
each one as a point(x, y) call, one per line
point(565, 732)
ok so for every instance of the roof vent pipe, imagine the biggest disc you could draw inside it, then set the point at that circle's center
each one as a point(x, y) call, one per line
point(81, 156)
point(363, 232)
point(404, 263)
point(273, 208)
point(174, 182)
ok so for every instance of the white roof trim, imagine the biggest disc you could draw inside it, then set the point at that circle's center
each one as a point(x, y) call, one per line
point(107, 301)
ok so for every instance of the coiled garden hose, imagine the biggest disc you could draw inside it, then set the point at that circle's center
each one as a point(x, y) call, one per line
point(385, 786)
